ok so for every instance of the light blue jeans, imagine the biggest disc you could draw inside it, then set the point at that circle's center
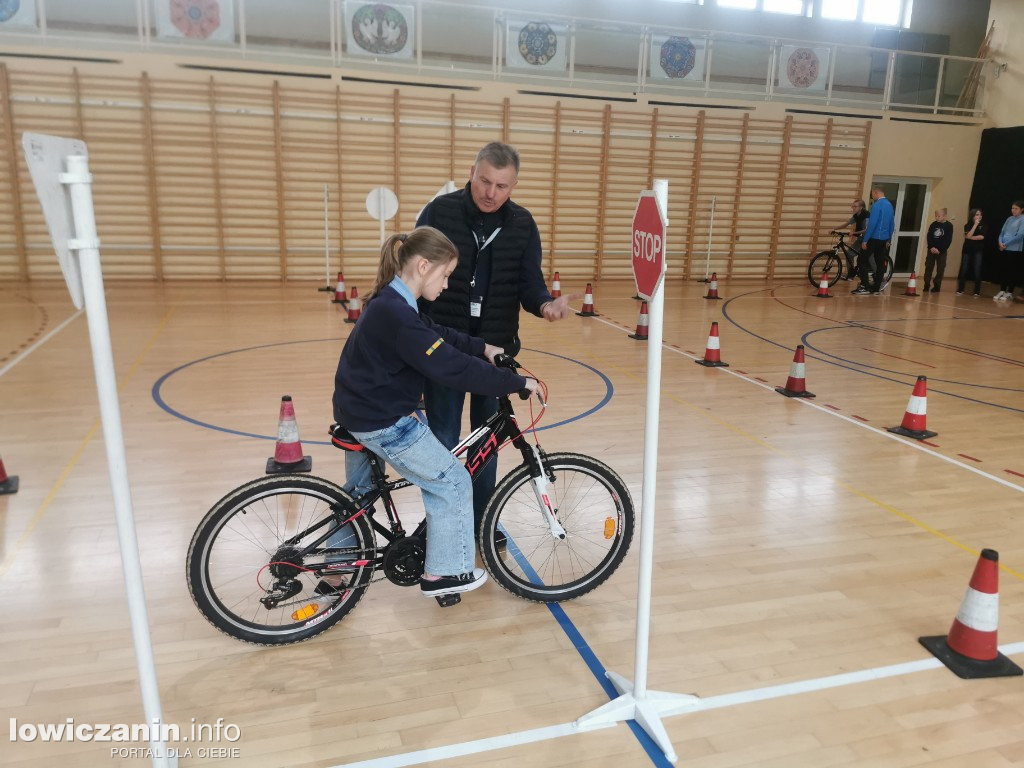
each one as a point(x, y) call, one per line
point(411, 448)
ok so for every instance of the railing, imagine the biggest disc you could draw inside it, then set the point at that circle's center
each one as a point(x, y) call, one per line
point(443, 39)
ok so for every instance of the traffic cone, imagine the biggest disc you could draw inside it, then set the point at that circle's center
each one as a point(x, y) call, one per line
point(823, 287)
point(641, 324)
point(713, 287)
point(915, 416)
point(970, 648)
point(288, 451)
point(355, 306)
point(713, 354)
point(339, 291)
point(556, 287)
point(8, 484)
point(911, 285)
point(588, 303)
point(796, 384)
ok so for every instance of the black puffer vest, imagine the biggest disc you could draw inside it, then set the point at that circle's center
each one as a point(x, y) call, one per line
point(455, 215)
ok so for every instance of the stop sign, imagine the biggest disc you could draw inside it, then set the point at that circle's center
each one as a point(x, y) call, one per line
point(648, 245)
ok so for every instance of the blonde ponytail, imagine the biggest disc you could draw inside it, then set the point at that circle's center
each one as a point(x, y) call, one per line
point(427, 242)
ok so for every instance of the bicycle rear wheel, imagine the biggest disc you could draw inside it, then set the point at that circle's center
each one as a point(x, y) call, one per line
point(246, 571)
point(593, 506)
point(825, 261)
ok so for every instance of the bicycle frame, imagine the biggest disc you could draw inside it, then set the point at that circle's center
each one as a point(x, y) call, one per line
point(480, 448)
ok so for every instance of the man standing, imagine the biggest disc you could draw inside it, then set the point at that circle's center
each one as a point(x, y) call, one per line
point(940, 237)
point(499, 270)
point(881, 225)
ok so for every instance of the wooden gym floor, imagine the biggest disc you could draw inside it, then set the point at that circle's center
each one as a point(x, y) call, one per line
point(801, 549)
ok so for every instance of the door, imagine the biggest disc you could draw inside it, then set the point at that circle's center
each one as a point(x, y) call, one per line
point(910, 198)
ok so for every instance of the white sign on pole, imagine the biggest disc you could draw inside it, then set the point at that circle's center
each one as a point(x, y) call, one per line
point(44, 156)
point(66, 196)
point(381, 204)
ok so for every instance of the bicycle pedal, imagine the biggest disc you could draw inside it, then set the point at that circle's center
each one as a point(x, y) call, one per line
point(445, 601)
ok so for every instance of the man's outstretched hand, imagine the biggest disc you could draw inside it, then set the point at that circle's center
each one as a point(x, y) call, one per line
point(558, 309)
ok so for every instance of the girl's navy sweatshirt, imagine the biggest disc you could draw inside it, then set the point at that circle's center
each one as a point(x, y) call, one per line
point(390, 353)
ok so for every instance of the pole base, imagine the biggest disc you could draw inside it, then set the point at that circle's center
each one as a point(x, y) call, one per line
point(587, 314)
point(917, 434)
point(965, 666)
point(637, 337)
point(712, 364)
point(343, 302)
point(714, 298)
point(10, 485)
point(326, 289)
point(793, 393)
point(647, 712)
point(274, 467)
point(824, 296)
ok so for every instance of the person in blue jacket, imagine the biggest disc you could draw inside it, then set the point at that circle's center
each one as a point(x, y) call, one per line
point(392, 351)
point(1011, 243)
point(881, 225)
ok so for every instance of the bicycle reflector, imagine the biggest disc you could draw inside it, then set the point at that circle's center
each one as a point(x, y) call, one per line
point(305, 612)
point(609, 527)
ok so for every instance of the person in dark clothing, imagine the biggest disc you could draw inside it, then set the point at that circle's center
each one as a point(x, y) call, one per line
point(940, 237)
point(974, 250)
point(499, 271)
point(392, 351)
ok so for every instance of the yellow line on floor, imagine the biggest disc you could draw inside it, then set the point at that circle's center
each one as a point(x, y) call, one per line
point(37, 517)
point(774, 449)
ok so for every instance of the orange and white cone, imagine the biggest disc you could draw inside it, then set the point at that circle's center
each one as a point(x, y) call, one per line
point(288, 451)
point(796, 384)
point(713, 353)
point(916, 415)
point(339, 292)
point(588, 303)
point(823, 287)
point(911, 285)
point(641, 324)
point(713, 287)
point(8, 484)
point(970, 648)
point(556, 287)
point(355, 306)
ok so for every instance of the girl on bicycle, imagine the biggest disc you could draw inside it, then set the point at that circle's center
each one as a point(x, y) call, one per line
point(391, 351)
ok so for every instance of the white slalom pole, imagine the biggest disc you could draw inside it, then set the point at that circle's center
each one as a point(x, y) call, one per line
point(327, 242)
point(711, 229)
point(86, 243)
point(635, 701)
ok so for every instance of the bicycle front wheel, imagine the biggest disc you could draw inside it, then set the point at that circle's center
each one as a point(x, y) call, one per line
point(826, 261)
point(888, 272)
point(252, 568)
point(592, 505)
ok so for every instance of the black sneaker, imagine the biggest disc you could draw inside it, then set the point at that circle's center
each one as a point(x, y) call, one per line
point(861, 291)
point(452, 585)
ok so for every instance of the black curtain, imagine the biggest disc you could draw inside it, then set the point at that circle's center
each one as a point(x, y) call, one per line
point(998, 181)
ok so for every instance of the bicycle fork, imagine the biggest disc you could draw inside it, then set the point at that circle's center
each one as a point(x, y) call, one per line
point(541, 484)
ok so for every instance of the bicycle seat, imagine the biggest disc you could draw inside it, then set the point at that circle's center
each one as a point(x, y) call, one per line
point(342, 438)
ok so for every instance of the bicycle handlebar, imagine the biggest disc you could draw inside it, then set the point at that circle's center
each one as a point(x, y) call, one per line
point(507, 361)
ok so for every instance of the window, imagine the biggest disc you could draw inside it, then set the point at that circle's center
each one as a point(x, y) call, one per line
point(839, 9)
point(748, 5)
point(795, 7)
point(885, 12)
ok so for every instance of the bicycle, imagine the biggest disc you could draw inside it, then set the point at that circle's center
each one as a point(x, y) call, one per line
point(556, 527)
point(831, 262)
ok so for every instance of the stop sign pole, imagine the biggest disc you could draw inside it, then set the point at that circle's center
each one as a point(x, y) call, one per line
point(635, 702)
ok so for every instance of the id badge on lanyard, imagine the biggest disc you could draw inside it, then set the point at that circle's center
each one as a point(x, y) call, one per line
point(476, 299)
